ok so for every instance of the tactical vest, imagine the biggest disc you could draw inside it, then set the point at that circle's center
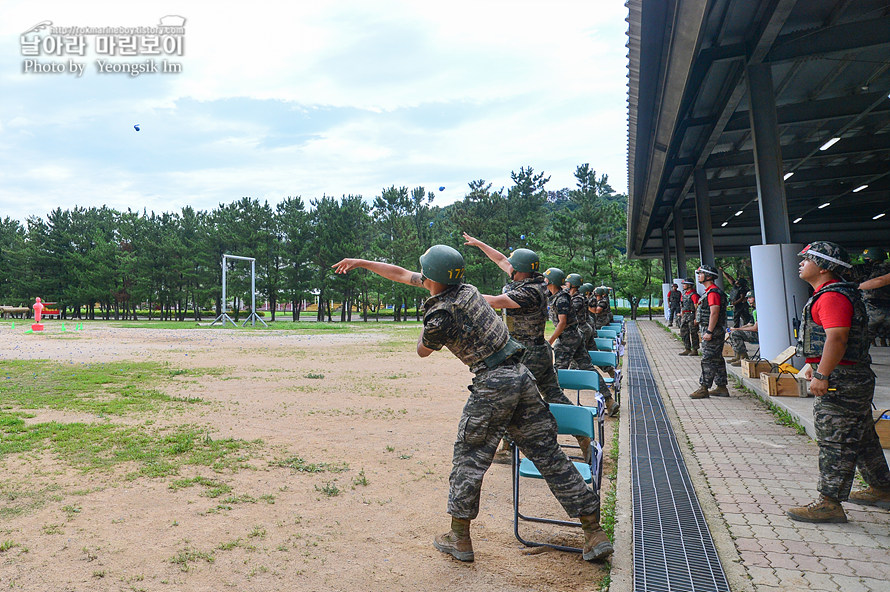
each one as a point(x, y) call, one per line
point(605, 317)
point(571, 318)
point(527, 324)
point(811, 341)
point(703, 314)
point(579, 305)
point(686, 304)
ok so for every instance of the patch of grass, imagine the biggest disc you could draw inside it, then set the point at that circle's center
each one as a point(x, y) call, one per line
point(607, 510)
point(360, 479)
point(101, 388)
point(52, 529)
point(229, 545)
point(188, 556)
point(314, 375)
point(212, 487)
point(257, 532)
point(300, 465)
point(329, 489)
point(782, 417)
point(7, 545)
point(19, 498)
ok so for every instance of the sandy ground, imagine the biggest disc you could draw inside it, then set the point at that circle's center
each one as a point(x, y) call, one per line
point(388, 415)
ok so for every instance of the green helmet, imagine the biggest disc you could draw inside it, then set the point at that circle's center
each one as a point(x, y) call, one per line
point(827, 255)
point(442, 264)
point(586, 288)
point(574, 280)
point(525, 261)
point(688, 282)
point(874, 254)
point(600, 291)
point(708, 270)
point(555, 276)
point(750, 294)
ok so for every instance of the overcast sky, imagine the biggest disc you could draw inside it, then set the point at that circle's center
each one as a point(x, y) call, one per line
point(309, 98)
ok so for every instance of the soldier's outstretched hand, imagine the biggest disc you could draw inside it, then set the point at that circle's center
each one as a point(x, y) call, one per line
point(473, 242)
point(346, 265)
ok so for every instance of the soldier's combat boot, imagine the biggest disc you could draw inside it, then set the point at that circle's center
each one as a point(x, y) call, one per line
point(685, 352)
point(504, 456)
point(734, 358)
point(824, 509)
point(596, 542)
point(456, 542)
point(694, 352)
point(737, 361)
point(584, 444)
point(719, 391)
point(700, 393)
point(613, 406)
point(873, 496)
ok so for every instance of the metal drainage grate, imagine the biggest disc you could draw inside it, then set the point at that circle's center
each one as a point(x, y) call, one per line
point(673, 548)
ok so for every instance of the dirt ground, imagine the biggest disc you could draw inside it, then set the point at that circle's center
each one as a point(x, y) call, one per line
point(362, 400)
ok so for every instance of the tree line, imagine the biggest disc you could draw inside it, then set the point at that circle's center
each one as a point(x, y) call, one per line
point(99, 262)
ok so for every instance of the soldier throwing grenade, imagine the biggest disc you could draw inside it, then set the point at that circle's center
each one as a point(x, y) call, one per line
point(503, 397)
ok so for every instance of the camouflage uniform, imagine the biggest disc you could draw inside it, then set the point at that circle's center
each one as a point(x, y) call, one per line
point(569, 347)
point(877, 302)
point(579, 305)
point(674, 299)
point(526, 325)
point(503, 396)
point(713, 366)
point(737, 340)
point(844, 426)
point(688, 326)
point(605, 317)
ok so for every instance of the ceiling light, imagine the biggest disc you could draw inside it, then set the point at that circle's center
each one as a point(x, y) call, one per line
point(739, 213)
point(829, 144)
point(787, 176)
point(725, 223)
point(796, 220)
point(881, 215)
point(860, 188)
point(825, 205)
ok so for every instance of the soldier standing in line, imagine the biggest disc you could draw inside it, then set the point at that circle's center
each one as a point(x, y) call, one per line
point(744, 334)
point(711, 318)
point(834, 340)
point(688, 326)
point(586, 290)
point(876, 294)
point(525, 301)
point(504, 396)
point(674, 298)
point(603, 312)
point(579, 305)
point(741, 314)
point(569, 343)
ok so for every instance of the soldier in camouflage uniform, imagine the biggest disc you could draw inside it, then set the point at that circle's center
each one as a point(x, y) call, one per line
point(579, 305)
point(688, 326)
point(525, 301)
point(586, 290)
point(504, 397)
point(711, 318)
point(876, 293)
point(834, 341)
point(567, 341)
point(602, 310)
point(749, 333)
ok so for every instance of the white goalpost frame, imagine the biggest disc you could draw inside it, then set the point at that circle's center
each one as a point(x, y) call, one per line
point(253, 317)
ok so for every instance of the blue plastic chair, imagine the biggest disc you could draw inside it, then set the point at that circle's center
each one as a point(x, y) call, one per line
point(609, 362)
point(570, 420)
point(618, 318)
point(605, 344)
point(607, 333)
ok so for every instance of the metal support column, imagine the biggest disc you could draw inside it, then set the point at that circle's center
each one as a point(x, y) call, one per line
point(680, 243)
point(666, 256)
point(703, 216)
point(774, 226)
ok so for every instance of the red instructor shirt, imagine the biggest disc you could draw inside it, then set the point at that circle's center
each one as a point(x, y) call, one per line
point(830, 310)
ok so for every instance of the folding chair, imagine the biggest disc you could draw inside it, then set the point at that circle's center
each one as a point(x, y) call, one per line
point(570, 420)
point(609, 334)
point(605, 344)
point(608, 360)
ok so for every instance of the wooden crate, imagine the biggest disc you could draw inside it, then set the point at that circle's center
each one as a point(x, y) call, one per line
point(882, 427)
point(727, 350)
point(783, 385)
point(753, 369)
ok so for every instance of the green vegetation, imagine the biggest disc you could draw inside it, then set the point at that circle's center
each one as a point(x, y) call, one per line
point(188, 556)
point(299, 465)
point(782, 417)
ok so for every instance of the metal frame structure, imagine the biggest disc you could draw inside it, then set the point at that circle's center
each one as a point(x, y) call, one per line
point(253, 317)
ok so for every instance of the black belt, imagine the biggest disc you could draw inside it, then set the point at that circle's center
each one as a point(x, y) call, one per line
point(512, 349)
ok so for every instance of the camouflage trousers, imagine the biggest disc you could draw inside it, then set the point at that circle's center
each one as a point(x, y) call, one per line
point(689, 330)
point(570, 350)
point(713, 366)
point(506, 398)
point(878, 319)
point(737, 340)
point(846, 433)
point(539, 360)
point(588, 333)
point(674, 313)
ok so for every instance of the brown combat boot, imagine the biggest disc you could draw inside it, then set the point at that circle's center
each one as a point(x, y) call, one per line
point(584, 444)
point(685, 352)
point(700, 393)
point(456, 542)
point(504, 456)
point(596, 542)
point(719, 391)
point(824, 509)
point(694, 352)
point(737, 361)
point(613, 406)
point(878, 497)
point(734, 358)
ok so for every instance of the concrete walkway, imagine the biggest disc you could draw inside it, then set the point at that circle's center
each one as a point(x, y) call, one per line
point(747, 469)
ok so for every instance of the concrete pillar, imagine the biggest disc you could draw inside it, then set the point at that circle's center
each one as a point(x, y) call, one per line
point(666, 255)
point(703, 216)
point(774, 224)
point(780, 294)
point(680, 244)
